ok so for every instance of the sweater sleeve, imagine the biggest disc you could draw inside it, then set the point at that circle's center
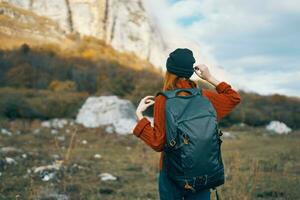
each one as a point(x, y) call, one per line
point(224, 100)
point(153, 136)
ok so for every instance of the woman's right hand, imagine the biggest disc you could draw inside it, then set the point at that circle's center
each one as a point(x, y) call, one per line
point(202, 71)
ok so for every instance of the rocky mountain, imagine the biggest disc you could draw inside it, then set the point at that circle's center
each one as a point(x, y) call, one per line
point(123, 24)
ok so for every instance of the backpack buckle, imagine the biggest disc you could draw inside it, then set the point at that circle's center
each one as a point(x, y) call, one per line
point(187, 186)
point(185, 139)
point(202, 179)
point(172, 143)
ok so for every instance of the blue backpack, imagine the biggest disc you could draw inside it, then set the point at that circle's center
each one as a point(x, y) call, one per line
point(192, 152)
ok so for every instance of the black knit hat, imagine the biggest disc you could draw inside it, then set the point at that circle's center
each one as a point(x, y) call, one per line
point(180, 62)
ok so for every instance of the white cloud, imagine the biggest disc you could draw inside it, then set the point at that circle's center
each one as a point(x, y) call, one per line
point(256, 42)
point(165, 16)
point(185, 9)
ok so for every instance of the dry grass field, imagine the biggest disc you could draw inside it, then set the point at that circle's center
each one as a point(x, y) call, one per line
point(258, 166)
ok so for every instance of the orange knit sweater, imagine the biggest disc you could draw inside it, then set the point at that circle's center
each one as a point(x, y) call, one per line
point(224, 100)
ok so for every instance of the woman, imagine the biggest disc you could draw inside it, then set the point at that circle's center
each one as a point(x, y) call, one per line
point(179, 70)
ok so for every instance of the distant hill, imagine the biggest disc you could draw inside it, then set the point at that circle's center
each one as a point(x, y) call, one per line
point(32, 77)
point(258, 110)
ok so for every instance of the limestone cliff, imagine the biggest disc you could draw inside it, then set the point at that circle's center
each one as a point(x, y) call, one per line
point(123, 24)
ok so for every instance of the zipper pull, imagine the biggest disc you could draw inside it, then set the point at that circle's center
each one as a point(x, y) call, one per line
point(187, 186)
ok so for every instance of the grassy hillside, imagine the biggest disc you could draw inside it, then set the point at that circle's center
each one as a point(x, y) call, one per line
point(91, 67)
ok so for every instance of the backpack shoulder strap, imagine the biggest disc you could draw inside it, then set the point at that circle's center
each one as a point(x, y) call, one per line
point(216, 193)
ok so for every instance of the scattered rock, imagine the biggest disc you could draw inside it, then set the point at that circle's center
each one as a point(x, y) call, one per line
point(61, 138)
point(6, 132)
point(55, 166)
point(84, 142)
point(107, 177)
point(59, 123)
point(36, 131)
point(10, 161)
point(9, 150)
point(228, 135)
point(108, 110)
point(97, 156)
point(278, 127)
point(48, 176)
point(75, 168)
point(54, 132)
point(56, 123)
point(128, 148)
point(48, 172)
point(46, 124)
point(24, 155)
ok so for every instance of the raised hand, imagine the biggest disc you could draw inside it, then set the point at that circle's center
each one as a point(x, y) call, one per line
point(202, 71)
point(143, 105)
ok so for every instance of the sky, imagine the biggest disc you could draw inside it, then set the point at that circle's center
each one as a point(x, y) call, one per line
point(254, 45)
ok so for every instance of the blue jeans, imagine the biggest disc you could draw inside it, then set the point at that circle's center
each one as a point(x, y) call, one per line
point(168, 190)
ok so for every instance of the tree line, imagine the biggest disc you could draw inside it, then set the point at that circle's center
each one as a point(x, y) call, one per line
point(41, 83)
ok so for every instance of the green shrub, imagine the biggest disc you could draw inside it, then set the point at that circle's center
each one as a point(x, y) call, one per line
point(28, 103)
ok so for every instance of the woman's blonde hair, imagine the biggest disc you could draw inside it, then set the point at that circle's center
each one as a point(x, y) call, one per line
point(170, 81)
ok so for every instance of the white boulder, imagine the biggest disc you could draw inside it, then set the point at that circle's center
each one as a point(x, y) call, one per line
point(278, 127)
point(108, 111)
